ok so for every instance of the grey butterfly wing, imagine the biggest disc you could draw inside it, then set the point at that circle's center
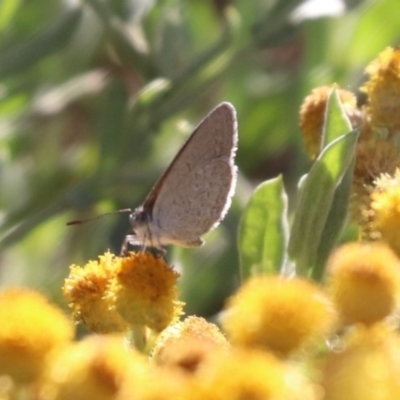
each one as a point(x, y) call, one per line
point(195, 192)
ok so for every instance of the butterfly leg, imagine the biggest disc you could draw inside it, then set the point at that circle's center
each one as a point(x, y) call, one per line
point(125, 244)
point(154, 248)
point(147, 246)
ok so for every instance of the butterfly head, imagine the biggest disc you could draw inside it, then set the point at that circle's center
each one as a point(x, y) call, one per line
point(139, 220)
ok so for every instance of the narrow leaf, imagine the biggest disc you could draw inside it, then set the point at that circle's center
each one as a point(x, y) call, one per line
point(44, 43)
point(315, 200)
point(334, 223)
point(317, 194)
point(262, 237)
point(336, 121)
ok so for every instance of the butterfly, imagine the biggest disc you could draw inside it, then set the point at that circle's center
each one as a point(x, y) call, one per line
point(194, 193)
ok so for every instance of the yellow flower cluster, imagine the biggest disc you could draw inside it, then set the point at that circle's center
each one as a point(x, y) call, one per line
point(376, 184)
point(287, 338)
point(117, 294)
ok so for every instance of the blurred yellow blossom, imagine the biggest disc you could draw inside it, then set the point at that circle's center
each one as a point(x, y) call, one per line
point(278, 314)
point(160, 384)
point(186, 344)
point(94, 368)
point(30, 329)
point(251, 375)
point(364, 280)
point(368, 368)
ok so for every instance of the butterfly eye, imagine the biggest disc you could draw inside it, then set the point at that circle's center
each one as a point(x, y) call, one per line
point(138, 216)
point(132, 219)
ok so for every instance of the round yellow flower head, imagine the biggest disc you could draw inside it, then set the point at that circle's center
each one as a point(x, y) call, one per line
point(186, 344)
point(278, 314)
point(382, 214)
point(251, 375)
point(374, 156)
point(30, 329)
point(364, 280)
point(383, 90)
point(144, 291)
point(378, 150)
point(367, 368)
point(95, 368)
point(312, 115)
point(85, 290)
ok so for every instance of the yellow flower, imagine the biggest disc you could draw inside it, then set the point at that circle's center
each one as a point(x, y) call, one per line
point(378, 150)
point(374, 157)
point(312, 115)
point(85, 290)
point(383, 90)
point(30, 329)
point(251, 375)
point(161, 384)
point(95, 368)
point(382, 213)
point(368, 368)
point(186, 344)
point(278, 314)
point(144, 291)
point(364, 280)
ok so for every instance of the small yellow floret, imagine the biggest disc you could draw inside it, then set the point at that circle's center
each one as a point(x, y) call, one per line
point(85, 290)
point(144, 291)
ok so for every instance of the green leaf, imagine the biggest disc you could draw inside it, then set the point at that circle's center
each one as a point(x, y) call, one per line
point(44, 43)
point(262, 237)
point(126, 39)
point(336, 121)
point(317, 194)
point(8, 8)
point(334, 223)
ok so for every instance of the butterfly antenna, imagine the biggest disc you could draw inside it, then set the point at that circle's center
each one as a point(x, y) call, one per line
point(83, 221)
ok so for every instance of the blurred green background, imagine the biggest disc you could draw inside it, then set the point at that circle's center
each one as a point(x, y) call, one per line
point(97, 96)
